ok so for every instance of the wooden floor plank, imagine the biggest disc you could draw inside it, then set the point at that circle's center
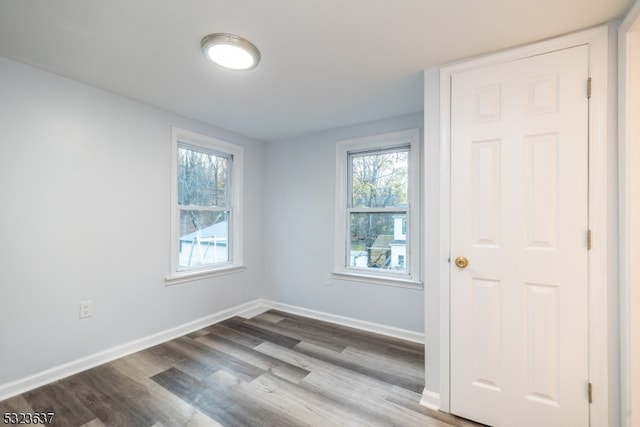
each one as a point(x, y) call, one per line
point(169, 408)
point(360, 382)
point(15, 404)
point(172, 350)
point(56, 398)
point(213, 359)
point(248, 355)
point(114, 399)
point(299, 331)
point(366, 394)
point(246, 409)
point(357, 337)
point(221, 400)
point(147, 364)
point(94, 423)
point(338, 359)
point(239, 324)
point(268, 316)
point(369, 402)
point(306, 406)
point(233, 335)
point(402, 367)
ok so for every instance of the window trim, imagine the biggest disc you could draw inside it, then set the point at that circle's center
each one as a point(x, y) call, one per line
point(342, 271)
point(236, 154)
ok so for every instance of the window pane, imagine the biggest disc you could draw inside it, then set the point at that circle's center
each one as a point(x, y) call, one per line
point(378, 241)
point(202, 178)
point(380, 179)
point(203, 238)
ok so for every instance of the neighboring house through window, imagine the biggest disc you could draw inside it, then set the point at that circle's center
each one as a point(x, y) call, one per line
point(377, 236)
point(206, 198)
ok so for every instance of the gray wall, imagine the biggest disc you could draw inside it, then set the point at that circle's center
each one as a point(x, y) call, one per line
point(299, 232)
point(84, 214)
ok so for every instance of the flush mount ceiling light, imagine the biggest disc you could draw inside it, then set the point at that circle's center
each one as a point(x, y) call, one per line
point(230, 51)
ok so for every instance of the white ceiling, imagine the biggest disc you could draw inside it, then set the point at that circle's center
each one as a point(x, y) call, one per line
point(325, 63)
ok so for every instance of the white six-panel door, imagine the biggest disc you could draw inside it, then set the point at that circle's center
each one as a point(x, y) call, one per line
point(519, 203)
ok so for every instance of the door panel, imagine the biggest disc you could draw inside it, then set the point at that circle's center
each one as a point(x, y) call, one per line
point(519, 188)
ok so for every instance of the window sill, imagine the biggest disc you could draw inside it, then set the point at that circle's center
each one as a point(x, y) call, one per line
point(174, 279)
point(402, 282)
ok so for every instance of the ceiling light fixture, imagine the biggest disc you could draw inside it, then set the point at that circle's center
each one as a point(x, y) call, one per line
point(230, 51)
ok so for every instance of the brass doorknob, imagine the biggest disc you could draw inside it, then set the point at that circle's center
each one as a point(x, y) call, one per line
point(461, 262)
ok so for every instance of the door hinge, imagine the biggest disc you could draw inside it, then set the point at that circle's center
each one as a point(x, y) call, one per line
point(589, 88)
point(589, 240)
point(590, 392)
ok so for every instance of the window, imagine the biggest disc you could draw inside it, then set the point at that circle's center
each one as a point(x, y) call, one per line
point(377, 233)
point(206, 183)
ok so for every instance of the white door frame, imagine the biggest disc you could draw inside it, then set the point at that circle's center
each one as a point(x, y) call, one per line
point(629, 178)
point(599, 274)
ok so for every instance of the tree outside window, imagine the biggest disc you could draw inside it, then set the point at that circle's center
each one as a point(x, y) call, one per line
point(203, 202)
point(378, 202)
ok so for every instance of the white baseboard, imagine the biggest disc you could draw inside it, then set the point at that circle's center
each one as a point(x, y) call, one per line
point(377, 328)
point(246, 310)
point(41, 378)
point(258, 308)
point(430, 399)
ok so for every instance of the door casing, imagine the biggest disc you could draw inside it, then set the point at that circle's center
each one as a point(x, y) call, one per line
point(600, 273)
point(629, 204)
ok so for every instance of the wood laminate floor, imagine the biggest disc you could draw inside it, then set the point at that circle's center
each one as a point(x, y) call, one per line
point(275, 369)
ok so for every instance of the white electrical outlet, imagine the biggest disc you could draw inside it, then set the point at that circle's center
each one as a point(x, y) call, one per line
point(86, 309)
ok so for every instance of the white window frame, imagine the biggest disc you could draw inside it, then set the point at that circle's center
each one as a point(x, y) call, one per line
point(236, 155)
point(342, 271)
